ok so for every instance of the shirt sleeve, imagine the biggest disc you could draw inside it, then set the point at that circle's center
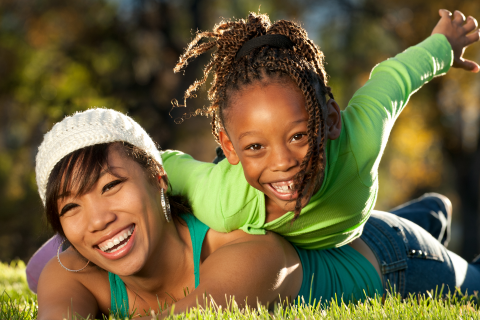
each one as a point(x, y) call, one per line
point(372, 111)
point(218, 194)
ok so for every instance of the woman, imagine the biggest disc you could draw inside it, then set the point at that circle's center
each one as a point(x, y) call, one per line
point(101, 181)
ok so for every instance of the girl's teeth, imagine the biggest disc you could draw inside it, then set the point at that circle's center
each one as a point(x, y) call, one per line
point(116, 241)
point(283, 188)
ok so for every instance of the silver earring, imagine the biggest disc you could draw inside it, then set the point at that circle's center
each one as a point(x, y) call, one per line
point(166, 207)
point(58, 258)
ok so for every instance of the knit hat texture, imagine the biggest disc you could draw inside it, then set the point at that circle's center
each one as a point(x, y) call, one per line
point(84, 129)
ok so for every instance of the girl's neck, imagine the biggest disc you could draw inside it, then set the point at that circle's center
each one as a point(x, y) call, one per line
point(272, 210)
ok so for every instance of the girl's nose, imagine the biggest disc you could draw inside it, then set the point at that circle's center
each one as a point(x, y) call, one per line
point(282, 159)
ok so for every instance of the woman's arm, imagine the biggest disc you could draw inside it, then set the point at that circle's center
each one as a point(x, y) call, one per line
point(253, 269)
point(61, 293)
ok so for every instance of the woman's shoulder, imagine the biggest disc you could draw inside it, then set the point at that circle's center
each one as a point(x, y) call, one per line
point(57, 286)
point(216, 240)
point(250, 263)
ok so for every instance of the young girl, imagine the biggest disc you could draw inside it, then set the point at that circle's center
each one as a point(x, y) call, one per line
point(313, 168)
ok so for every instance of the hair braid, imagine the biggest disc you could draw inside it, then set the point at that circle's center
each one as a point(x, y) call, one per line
point(303, 64)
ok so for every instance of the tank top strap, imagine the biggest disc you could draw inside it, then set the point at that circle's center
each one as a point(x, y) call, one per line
point(118, 292)
point(119, 298)
point(198, 230)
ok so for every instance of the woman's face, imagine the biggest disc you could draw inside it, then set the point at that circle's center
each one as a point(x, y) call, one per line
point(117, 224)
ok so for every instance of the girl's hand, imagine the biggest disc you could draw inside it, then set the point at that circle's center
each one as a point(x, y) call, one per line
point(459, 33)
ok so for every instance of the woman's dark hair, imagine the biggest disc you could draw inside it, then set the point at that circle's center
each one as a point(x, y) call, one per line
point(302, 64)
point(80, 170)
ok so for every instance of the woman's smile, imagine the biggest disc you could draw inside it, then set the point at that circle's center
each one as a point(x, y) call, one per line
point(119, 245)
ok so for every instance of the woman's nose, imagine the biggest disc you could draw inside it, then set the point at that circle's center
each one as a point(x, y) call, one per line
point(99, 215)
point(282, 159)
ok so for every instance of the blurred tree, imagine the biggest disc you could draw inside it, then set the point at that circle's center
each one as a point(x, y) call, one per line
point(58, 57)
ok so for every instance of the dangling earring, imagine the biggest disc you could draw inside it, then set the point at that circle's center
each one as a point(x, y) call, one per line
point(166, 207)
point(58, 258)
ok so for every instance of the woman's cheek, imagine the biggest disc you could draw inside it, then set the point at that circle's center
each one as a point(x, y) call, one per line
point(74, 227)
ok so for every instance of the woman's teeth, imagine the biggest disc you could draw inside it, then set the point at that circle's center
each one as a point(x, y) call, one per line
point(283, 187)
point(118, 242)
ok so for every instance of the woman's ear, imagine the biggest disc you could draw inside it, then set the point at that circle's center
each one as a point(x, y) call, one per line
point(227, 147)
point(334, 120)
point(163, 182)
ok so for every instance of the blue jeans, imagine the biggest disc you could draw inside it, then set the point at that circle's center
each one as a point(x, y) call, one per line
point(410, 252)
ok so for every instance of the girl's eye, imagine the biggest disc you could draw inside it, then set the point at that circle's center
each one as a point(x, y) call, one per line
point(111, 185)
point(254, 147)
point(298, 136)
point(67, 208)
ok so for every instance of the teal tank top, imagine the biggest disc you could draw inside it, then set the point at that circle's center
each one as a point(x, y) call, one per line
point(338, 273)
point(326, 273)
point(118, 293)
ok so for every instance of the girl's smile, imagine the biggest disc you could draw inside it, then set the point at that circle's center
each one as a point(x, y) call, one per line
point(284, 189)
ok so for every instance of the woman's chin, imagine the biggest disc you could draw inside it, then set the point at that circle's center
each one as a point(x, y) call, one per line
point(129, 266)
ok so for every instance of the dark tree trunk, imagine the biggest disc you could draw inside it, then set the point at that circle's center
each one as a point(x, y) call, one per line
point(468, 185)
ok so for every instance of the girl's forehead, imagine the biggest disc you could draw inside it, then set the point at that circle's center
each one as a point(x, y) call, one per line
point(273, 107)
point(268, 97)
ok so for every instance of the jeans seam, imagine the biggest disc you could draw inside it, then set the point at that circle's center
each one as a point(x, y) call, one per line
point(399, 258)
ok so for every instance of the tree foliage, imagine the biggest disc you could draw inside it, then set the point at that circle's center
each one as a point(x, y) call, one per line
point(58, 57)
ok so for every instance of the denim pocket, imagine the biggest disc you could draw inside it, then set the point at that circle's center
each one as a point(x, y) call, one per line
point(419, 243)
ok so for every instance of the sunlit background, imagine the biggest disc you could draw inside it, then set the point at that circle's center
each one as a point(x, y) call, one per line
point(57, 57)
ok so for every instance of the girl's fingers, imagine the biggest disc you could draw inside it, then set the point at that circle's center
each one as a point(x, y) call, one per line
point(473, 37)
point(471, 24)
point(458, 17)
point(444, 13)
point(468, 65)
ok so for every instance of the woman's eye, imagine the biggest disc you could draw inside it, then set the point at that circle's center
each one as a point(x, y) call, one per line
point(67, 208)
point(298, 136)
point(111, 185)
point(254, 147)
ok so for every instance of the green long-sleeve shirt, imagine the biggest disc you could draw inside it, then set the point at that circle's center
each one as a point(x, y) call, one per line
point(222, 199)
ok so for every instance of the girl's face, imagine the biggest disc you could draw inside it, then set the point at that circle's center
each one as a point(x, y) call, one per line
point(267, 133)
point(118, 223)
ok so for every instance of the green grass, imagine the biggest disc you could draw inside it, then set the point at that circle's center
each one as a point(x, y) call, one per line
point(16, 300)
point(18, 303)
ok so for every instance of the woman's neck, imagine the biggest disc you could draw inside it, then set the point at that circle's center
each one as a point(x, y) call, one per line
point(169, 270)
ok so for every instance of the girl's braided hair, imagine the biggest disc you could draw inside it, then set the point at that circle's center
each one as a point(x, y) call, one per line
point(303, 64)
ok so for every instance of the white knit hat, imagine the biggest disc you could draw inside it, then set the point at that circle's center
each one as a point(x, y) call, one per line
point(84, 129)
